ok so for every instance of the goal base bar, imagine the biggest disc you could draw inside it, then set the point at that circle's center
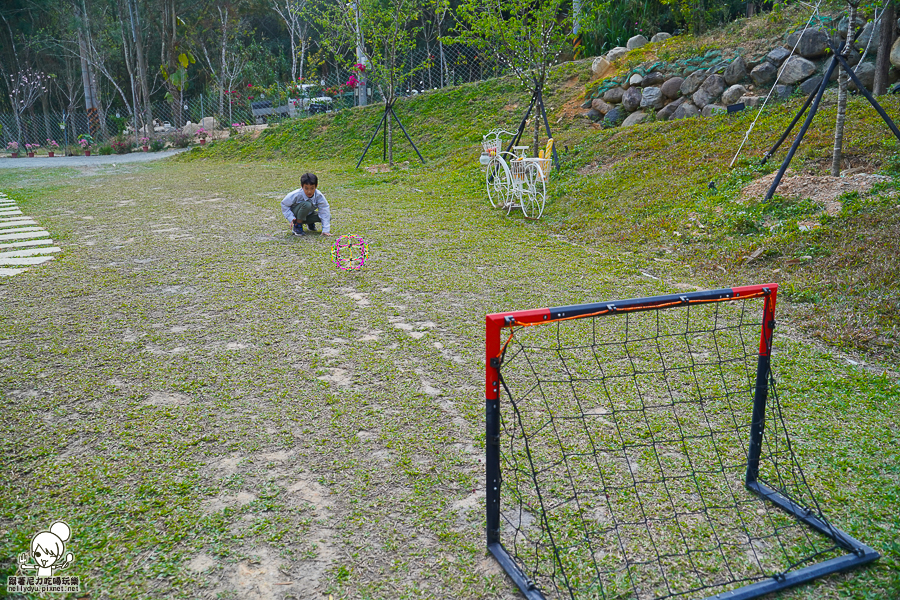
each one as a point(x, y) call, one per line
point(526, 586)
point(860, 554)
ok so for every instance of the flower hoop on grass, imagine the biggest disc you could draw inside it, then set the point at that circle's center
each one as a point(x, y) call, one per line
point(349, 252)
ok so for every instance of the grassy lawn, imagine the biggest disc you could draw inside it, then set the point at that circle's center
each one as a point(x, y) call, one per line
point(217, 411)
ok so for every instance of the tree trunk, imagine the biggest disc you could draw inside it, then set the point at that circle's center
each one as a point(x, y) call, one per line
point(390, 139)
point(304, 46)
point(842, 101)
point(45, 106)
point(883, 62)
point(443, 63)
point(141, 60)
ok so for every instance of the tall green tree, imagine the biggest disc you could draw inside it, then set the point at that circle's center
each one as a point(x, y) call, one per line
point(527, 35)
point(389, 30)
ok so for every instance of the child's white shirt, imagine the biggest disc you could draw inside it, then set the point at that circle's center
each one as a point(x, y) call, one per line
point(318, 201)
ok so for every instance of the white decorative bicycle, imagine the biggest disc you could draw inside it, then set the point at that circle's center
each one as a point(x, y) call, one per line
point(513, 179)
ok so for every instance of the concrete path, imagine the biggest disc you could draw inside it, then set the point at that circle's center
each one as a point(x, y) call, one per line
point(22, 242)
point(44, 162)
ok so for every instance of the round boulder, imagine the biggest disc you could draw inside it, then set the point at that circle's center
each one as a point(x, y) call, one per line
point(795, 69)
point(654, 78)
point(736, 71)
point(692, 82)
point(652, 98)
point(613, 117)
point(811, 84)
point(666, 113)
point(733, 94)
point(631, 100)
point(636, 42)
point(710, 91)
point(763, 74)
point(636, 79)
point(613, 95)
point(672, 87)
point(209, 123)
point(660, 37)
point(778, 55)
point(600, 106)
point(812, 42)
point(866, 74)
point(686, 111)
point(634, 118)
point(600, 67)
point(713, 109)
point(895, 54)
point(616, 53)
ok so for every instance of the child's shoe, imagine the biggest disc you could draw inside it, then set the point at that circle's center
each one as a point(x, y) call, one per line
point(298, 229)
point(311, 226)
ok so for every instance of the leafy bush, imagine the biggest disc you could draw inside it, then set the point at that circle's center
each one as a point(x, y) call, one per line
point(157, 145)
point(180, 140)
point(120, 146)
point(119, 123)
point(105, 150)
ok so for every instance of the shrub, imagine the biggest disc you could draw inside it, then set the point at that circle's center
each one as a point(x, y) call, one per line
point(180, 140)
point(105, 150)
point(157, 145)
point(120, 146)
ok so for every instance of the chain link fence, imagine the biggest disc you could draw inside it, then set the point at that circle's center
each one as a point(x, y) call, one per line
point(435, 66)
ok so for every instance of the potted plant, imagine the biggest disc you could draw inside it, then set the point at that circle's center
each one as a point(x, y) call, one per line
point(30, 148)
point(145, 143)
point(52, 146)
point(85, 141)
point(13, 147)
point(201, 133)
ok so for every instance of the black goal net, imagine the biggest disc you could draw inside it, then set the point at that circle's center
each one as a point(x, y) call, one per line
point(637, 449)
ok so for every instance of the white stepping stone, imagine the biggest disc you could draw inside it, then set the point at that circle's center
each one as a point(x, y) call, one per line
point(10, 272)
point(19, 223)
point(9, 213)
point(24, 236)
point(27, 260)
point(30, 252)
point(23, 229)
point(25, 243)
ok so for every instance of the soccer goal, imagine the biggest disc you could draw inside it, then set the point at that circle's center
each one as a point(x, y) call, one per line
point(637, 449)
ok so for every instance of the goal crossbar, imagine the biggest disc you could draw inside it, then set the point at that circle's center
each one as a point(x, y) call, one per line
point(856, 552)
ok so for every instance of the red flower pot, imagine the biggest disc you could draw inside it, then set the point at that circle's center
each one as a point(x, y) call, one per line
point(146, 148)
point(202, 141)
point(31, 155)
point(50, 153)
point(87, 152)
point(15, 155)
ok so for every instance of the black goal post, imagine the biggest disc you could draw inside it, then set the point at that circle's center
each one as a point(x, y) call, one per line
point(638, 449)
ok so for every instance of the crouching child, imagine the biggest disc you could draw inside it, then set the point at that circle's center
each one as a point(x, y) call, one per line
point(307, 206)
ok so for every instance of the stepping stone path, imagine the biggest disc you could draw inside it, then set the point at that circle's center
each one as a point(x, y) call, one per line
point(22, 242)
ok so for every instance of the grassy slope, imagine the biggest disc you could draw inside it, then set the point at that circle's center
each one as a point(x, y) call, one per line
point(648, 187)
point(159, 379)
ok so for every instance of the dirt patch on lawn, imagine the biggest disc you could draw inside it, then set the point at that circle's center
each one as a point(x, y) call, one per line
point(824, 190)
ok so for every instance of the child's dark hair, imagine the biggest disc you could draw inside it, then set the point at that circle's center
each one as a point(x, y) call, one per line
point(309, 178)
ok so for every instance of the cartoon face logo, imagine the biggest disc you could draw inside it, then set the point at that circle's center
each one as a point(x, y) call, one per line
point(47, 551)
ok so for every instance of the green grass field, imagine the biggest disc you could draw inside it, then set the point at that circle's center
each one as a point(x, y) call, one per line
point(219, 412)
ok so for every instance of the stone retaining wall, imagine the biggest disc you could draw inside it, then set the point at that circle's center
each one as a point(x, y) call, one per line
point(706, 85)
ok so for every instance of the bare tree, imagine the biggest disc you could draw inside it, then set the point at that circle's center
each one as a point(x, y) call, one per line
point(295, 17)
point(25, 88)
point(433, 17)
point(224, 65)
